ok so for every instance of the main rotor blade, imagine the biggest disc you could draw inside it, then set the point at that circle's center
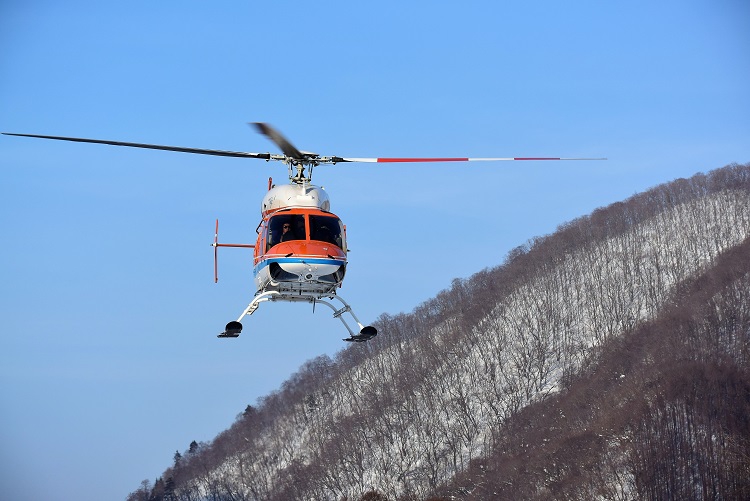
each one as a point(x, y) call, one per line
point(452, 159)
point(200, 151)
point(289, 150)
point(278, 139)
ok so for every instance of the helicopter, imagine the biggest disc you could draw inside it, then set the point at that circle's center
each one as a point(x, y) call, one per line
point(300, 253)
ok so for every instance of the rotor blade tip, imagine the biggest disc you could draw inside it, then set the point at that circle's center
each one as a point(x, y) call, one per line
point(261, 127)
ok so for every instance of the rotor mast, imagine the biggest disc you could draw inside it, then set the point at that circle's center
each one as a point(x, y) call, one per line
point(296, 169)
point(295, 160)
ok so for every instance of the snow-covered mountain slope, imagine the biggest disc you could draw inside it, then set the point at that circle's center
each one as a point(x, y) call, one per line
point(658, 412)
point(405, 413)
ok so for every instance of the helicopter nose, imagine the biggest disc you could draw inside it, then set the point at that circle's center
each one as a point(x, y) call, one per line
point(329, 272)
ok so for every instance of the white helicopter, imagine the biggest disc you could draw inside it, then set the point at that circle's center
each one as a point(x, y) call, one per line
point(300, 254)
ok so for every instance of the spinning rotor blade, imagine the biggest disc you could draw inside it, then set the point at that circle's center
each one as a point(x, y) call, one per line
point(291, 155)
point(200, 151)
point(452, 159)
point(279, 140)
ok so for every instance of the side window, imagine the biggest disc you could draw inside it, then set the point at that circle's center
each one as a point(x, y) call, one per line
point(327, 229)
point(285, 227)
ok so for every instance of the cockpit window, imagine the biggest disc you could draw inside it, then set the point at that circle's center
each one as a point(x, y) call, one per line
point(327, 229)
point(286, 227)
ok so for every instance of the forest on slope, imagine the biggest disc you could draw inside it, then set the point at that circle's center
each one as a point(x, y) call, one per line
point(609, 359)
point(661, 412)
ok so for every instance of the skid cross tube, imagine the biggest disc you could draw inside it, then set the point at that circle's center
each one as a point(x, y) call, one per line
point(365, 332)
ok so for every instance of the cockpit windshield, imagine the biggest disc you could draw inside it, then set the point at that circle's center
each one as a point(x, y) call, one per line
point(327, 229)
point(286, 227)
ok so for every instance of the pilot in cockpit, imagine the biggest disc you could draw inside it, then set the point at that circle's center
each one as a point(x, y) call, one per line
point(287, 233)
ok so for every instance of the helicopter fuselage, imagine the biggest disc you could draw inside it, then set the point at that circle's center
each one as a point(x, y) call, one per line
point(301, 245)
point(300, 255)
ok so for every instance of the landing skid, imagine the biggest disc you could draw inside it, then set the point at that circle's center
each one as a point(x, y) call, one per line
point(365, 334)
point(234, 328)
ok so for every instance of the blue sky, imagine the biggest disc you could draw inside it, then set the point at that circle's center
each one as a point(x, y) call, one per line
point(108, 311)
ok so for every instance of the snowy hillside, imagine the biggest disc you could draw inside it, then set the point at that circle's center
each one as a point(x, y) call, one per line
point(433, 397)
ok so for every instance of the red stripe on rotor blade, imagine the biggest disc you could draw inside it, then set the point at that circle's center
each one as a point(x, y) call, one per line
point(422, 160)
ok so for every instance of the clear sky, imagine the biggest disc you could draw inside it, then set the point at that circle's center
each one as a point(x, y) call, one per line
point(108, 311)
